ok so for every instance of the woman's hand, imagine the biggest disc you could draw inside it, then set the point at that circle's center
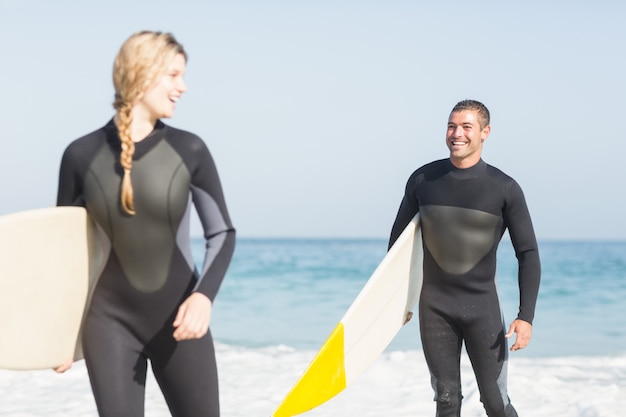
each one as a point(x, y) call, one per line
point(193, 317)
point(66, 365)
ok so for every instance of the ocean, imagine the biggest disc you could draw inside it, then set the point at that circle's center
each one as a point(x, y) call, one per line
point(282, 298)
point(293, 291)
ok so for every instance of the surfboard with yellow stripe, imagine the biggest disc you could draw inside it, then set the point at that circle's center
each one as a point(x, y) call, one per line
point(367, 328)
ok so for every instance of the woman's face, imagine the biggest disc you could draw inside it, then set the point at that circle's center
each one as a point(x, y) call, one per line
point(160, 99)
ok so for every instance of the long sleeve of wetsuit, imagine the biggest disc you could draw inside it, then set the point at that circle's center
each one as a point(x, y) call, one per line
point(517, 220)
point(69, 185)
point(409, 207)
point(219, 232)
point(74, 164)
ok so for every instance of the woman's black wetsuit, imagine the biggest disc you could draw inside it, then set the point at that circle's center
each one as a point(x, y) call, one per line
point(149, 270)
point(464, 213)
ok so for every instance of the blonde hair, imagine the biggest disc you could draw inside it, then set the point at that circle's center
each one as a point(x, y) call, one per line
point(140, 61)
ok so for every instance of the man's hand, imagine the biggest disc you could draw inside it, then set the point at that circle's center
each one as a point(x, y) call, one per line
point(524, 331)
point(193, 318)
point(408, 317)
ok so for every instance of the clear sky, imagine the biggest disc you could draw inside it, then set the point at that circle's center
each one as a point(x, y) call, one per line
point(317, 111)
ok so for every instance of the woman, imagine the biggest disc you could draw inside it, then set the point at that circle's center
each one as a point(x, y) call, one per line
point(137, 178)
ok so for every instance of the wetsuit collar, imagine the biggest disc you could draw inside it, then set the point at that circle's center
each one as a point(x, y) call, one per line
point(467, 173)
point(142, 147)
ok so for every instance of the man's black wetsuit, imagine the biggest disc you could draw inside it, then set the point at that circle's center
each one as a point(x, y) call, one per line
point(149, 270)
point(464, 213)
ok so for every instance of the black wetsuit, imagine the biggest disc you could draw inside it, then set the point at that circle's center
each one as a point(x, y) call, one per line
point(149, 270)
point(464, 213)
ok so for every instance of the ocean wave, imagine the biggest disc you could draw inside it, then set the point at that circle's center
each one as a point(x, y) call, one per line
point(253, 381)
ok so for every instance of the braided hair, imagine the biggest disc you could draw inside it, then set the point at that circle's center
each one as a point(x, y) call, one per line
point(140, 61)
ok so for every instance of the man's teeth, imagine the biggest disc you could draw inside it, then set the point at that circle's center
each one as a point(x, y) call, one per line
point(174, 99)
point(458, 143)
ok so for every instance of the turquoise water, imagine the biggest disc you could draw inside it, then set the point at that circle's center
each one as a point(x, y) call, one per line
point(293, 292)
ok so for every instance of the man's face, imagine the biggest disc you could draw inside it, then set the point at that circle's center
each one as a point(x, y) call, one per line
point(465, 138)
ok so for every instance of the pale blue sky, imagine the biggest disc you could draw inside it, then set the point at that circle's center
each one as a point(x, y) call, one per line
point(316, 112)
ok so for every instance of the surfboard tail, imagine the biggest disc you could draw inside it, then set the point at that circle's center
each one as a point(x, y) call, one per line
point(323, 379)
point(367, 328)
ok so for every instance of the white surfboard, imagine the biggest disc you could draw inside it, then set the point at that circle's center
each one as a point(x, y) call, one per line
point(49, 261)
point(367, 328)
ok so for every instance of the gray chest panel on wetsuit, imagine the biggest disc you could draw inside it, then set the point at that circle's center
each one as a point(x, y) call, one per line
point(144, 242)
point(458, 238)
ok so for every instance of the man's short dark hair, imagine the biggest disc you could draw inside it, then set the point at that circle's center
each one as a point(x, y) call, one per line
point(483, 112)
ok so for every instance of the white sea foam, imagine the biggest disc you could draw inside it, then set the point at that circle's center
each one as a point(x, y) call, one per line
point(254, 381)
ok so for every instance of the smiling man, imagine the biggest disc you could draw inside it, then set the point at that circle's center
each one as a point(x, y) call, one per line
point(465, 207)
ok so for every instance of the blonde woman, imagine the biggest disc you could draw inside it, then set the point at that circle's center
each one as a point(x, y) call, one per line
point(137, 178)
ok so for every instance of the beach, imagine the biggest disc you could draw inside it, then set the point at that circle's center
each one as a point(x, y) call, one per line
point(282, 298)
point(254, 381)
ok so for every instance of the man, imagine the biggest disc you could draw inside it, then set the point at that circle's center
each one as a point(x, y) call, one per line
point(465, 206)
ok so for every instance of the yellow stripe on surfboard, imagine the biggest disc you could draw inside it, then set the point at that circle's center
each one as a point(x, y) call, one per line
point(366, 329)
point(324, 378)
